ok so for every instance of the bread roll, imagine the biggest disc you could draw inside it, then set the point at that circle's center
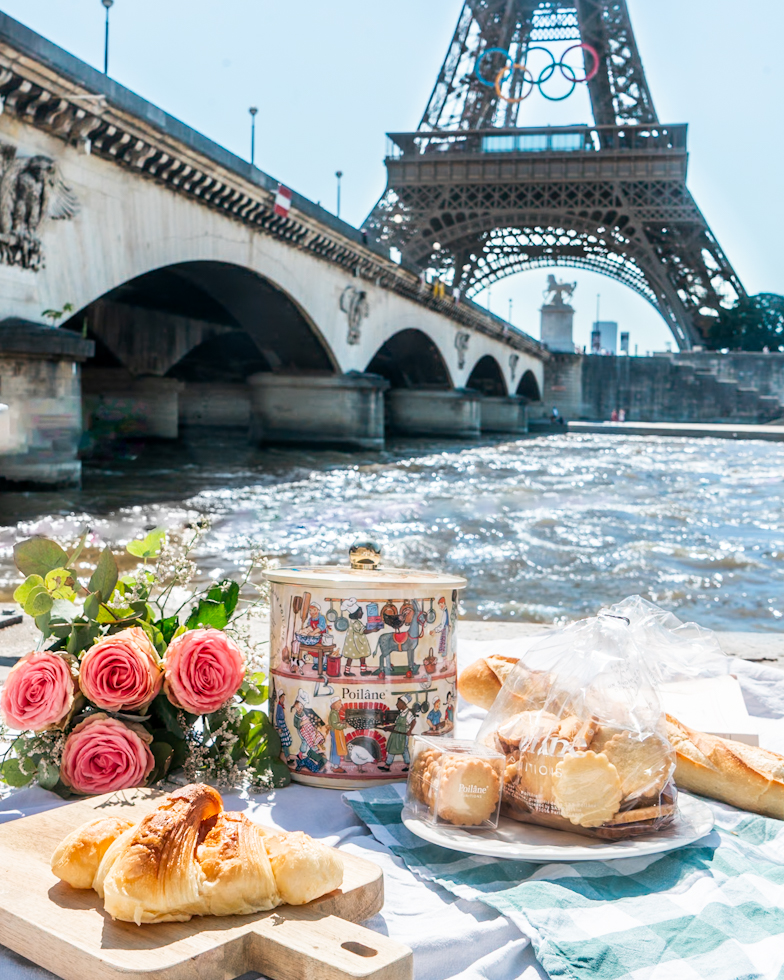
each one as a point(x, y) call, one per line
point(744, 776)
point(481, 681)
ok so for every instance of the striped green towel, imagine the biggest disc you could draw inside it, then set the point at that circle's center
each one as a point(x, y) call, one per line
point(713, 909)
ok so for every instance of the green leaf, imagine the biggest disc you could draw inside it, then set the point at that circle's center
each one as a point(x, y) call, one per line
point(167, 713)
point(77, 552)
point(163, 754)
point(48, 775)
point(92, 606)
point(104, 578)
point(254, 689)
point(149, 546)
point(155, 636)
point(13, 775)
point(178, 745)
point(65, 610)
point(42, 622)
point(227, 592)
point(38, 556)
point(168, 628)
point(82, 637)
point(24, 590)
point(208, 613)
point(38, 601)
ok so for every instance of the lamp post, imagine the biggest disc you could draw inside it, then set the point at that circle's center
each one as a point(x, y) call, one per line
point(107, 4)
point(338, 174)
point(253, 110)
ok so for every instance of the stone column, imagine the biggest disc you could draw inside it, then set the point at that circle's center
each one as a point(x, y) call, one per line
point(556, 327)
point(343, 409)
point(116, 403)
point(504, 415)
point(454, 413)
point(208, 405)
point(41, 427)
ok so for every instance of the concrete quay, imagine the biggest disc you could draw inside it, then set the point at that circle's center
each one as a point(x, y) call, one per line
point(768, 433)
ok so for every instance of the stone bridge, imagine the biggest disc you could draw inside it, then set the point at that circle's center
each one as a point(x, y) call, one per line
point(149, 284)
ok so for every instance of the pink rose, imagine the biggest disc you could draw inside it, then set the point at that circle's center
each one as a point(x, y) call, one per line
point(103, 754)
point(203, 669)
point(39, 692)
point(122, 672)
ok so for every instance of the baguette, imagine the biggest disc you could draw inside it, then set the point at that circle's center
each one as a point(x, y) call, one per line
point(745, 776)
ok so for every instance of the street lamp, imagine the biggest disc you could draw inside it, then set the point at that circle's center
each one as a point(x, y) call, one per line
point(338, 174)
point(253, 110)
point(107, 4)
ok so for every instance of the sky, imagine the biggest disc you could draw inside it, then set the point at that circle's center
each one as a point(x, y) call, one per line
point(330, 79)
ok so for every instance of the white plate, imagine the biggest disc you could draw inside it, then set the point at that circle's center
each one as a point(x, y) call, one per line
point(541, 845)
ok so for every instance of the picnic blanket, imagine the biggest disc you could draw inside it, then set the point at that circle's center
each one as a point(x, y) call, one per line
point(712, 909)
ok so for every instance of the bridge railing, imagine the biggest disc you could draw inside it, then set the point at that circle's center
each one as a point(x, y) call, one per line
point(545, 139)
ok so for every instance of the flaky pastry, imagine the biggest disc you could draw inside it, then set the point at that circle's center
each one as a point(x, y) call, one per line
point(191, 857)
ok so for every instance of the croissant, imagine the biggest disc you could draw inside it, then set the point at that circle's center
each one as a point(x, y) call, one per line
point(191, 857)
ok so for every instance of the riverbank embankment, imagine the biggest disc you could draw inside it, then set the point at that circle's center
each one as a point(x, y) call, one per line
point(693, 430)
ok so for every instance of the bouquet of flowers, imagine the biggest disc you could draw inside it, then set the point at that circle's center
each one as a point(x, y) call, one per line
point(125, 689)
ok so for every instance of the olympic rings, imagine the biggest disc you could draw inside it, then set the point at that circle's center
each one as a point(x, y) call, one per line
point(593, 53)
point(484, 54)
point(500, 78)
point(544, 75)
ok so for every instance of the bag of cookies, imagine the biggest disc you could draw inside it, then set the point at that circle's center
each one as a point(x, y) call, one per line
point(583, 732)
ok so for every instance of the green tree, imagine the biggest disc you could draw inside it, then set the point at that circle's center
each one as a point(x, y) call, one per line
point(754, 322)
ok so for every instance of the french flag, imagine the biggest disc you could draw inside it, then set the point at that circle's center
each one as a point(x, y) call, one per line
point(282, 201)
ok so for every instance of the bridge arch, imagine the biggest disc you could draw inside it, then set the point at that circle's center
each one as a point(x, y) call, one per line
point(410, 358)
point(488, 377)
point(203, 320)
point(529, 387)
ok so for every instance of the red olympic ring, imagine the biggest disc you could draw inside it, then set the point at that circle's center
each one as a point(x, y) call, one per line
point(500, 77)
point(592, 73)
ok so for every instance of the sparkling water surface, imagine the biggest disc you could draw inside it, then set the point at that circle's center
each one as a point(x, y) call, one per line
point(545, 529)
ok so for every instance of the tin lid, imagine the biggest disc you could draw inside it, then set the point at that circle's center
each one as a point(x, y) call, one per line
point(364, 573)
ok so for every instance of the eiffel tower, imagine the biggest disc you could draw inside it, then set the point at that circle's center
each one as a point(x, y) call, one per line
point(475, 196)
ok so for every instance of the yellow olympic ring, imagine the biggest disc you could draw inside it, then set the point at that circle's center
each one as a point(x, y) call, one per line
point(500, 77)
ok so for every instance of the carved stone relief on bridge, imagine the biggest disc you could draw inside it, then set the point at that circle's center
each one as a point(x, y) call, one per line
point(31, 190)
point(461, 343)
point(354, 303)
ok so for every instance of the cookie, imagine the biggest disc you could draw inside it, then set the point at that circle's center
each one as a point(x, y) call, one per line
point(526, 729)
point(468, 791)
point(644, 764)
point(578, 731)
point(587, 789)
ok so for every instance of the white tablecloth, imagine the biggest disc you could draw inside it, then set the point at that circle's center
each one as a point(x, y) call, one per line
point(452, 939)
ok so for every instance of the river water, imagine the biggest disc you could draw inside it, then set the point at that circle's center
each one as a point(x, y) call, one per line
point(545, 529)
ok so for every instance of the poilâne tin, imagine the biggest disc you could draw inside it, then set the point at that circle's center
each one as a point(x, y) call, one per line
point(361, 659)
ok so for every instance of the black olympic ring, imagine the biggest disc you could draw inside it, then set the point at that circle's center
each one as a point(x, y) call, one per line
point(544, 75)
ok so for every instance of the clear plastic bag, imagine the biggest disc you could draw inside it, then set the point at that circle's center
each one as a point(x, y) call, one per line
point(584, 735)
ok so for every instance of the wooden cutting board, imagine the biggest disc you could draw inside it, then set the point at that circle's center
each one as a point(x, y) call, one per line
point(67, 931)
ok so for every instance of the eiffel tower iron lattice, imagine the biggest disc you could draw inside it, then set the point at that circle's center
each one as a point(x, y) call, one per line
point(475, 196)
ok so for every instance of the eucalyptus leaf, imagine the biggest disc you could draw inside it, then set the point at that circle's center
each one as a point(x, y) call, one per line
point(104, 578)
point(149, 546)
point(64, 609)
point(38, 556)
point(76, 553)
point(92, 605)
point(13, 775)
point(24, 590)
point(38, 601)
point(48, 775)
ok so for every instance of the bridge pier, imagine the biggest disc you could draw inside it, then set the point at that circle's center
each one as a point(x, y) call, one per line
point(41, 426)
point(504, 414)
point(452, 413)
point(344, 409)
point(212, 404)
point(128, 406)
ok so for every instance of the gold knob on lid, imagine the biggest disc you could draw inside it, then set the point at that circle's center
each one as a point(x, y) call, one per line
point(365, 554)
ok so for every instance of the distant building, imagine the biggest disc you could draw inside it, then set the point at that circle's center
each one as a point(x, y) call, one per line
point(605, 334)
point(625, 342)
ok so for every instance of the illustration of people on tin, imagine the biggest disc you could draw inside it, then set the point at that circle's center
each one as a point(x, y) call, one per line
point(311, 740)
point(442, 629)
point(400, 640)
point(435, 718)
point(356, 645)
point(337, 726)
point(397, 743)
point(449, 713)
point(282, 728)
